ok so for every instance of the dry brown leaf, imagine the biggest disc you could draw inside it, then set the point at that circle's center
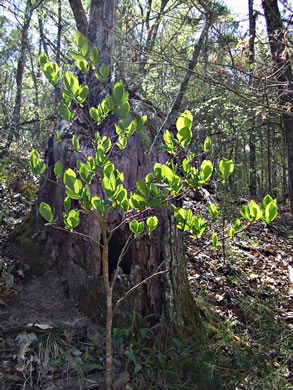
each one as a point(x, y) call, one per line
point(213, 266)
point(220, 297)
point(6, 290)
point(24, 348)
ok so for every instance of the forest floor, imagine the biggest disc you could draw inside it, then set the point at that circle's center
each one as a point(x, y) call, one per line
point(243, 289)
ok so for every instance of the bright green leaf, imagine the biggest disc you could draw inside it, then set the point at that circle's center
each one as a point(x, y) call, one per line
point(207, 144)
point(67, 205)
point(152, 223)
point(58, 138)
point(71, 83)
point(206, 170)
point(94, 56)
point(184, 121)
point(58, 169)
point(82, 43)
point(46, 212)
point(226, 168)
point(75, 143)
point(64, 111)
point(142, 188)
point(83, 66)
point(43, 58)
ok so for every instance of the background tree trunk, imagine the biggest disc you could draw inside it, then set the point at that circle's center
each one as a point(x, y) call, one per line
point(170, 119)
point(277, 40)
point(252, 146)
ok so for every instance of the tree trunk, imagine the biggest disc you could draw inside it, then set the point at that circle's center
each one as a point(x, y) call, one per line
point(252, 164)
point(78, 258)
point(269, 163)
point(79, 15)
point(284, 79)
point(58, 49)
point(37, 132)
point(252, 146)
point(183, 85)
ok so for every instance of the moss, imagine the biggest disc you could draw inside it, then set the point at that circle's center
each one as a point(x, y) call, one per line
point(23, 229)
point(94, 306)
point(29, 191)
point(146, 139)
point(195, 361)
point(22, 238)
point(91, 305)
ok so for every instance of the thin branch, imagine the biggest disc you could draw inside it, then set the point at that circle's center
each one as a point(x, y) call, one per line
point(79, 15)
point(49, 118)
point(79, 234)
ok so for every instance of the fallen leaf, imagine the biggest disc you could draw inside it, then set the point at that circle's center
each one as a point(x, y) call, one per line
point(41, 326)
point(6, 290)
point(24, 348)
point(220, 297)
point(213, 266)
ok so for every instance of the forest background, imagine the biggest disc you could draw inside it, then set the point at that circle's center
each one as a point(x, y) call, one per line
point(171, 55)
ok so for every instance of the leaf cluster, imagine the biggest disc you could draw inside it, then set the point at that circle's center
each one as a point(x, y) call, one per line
point(158, 188)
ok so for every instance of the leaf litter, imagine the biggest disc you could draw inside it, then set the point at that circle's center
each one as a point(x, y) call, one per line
point(248, 284)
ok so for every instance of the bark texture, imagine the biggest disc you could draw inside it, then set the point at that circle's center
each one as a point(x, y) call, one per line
point(78, 258)
point(252, 146)
point(284, 78)
point(79, 15)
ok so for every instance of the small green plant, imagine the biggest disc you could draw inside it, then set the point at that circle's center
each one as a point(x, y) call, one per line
point(158, 189)
point(51, 347)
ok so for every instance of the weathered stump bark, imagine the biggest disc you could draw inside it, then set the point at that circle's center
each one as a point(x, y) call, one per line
point(79, 259)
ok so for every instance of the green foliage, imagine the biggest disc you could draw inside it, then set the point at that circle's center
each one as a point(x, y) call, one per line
point(37, 166)
point(136, 227)
point(152, 192)
point(82, 44)
point(75, 143)
point(183, 125)
point(50, 70)
point(46, 212)
point(207, 144)
point(267, 211)
point(215, 241)
point(185, 220)
point(57, 134)
point(159, 187)
point(213, 211)
point(64, 111)
point(58, 170)
point(151, 348)
point(103, 74)
point(206, 170)
point(72, 220)
point(226, 168)
point(152, 223)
